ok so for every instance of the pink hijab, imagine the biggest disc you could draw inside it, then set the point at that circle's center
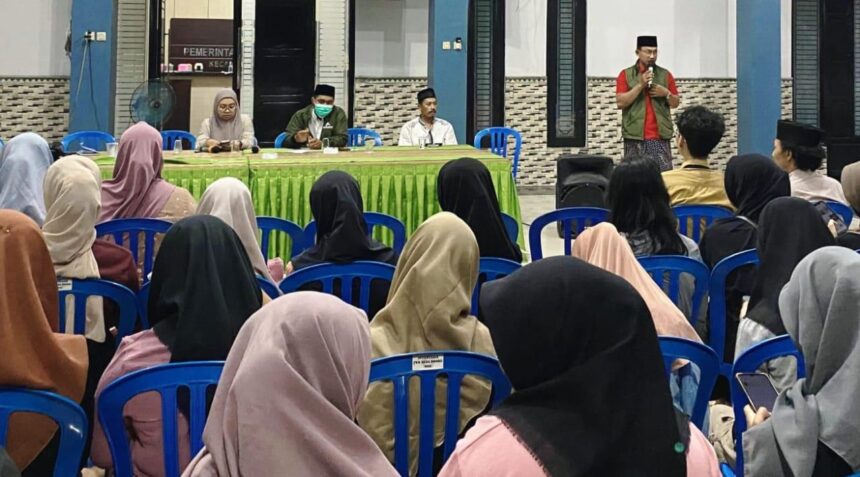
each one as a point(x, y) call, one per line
point(287, 399)
point(137, 189)
point(604, 247)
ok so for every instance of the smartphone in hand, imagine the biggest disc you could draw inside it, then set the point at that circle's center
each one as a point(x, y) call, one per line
point(759, 389)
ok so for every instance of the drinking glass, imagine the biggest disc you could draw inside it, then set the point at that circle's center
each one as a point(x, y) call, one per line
point(369, 144)
point(112, 148)
point(177, 146)
point(325, 143)
point(422, 142)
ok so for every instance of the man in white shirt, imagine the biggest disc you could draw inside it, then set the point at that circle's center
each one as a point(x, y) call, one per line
point(797, 150)
point(427, 126)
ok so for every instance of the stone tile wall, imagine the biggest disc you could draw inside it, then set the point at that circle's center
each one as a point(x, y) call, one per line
point(39, 105)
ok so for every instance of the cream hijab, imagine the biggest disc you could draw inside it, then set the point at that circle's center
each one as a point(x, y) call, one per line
point(428, 309)
point(604, 247)
point(230, 200)
point(851, 185)
point(73, 199)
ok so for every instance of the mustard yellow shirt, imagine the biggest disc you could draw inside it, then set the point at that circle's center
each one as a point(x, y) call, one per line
point(694, 183)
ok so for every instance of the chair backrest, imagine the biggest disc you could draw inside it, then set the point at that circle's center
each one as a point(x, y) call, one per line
point(717, 302)
point(694, 219)
point(512, 227)
point(749, 362)
point(132, 228)
point(268, 287)
point(267, 225)
point(428, 366)
point(842, 210)
point(67, 414)
point(194, 377)
point(373, 219)
point(704, 358)
point(491, 269)
point(279, 141)
point(92, 140)
point(124, 298)
point(346, 274)
point(142, 305)
point(581, 217)
point(356, 136)
point(499, 143)
point(667, 270)
point(169, 137)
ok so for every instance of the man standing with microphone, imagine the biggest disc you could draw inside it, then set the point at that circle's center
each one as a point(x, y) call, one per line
point(646, 93)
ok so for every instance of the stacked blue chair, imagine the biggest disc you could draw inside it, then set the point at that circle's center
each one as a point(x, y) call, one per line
point(196, 377)
point(694, 219)
point(842, 210)
point(373, 219)
point(749, 362)
point(81, 289)
point(169, 137)
point(717, 302)
point(143, 305)
point(578, 217)
point(267, 225)
point(454, 365)
point(491, 269)
point(355, 137)
point(499, 144)
point(671, 267)
point(133, 228)
point(704, 358)
point(67, 414)
point(345, 274)
point(512, 227)
point(88, 141)
point(279, 141)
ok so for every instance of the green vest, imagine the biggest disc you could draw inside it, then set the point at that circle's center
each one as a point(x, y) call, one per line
point(633, 118)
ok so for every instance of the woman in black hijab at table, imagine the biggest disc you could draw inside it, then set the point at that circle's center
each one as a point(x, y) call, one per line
point(465, 188)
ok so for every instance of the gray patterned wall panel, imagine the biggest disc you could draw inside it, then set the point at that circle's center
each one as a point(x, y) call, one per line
point(39, 105)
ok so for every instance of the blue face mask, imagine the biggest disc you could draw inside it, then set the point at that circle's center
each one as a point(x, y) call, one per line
point(323, 110)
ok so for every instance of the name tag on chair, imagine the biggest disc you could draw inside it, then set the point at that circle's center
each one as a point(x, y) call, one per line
point(428, 363)
point(64, 284)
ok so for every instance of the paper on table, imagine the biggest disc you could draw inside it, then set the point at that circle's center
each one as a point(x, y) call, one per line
point(295, 151)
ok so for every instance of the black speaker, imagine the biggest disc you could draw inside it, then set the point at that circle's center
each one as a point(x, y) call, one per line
point(581, 181)
point(839, 155)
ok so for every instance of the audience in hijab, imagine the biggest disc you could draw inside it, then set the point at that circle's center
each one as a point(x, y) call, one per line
point(35, 356)
point(779, 252)
point(289, 394)
point(342, 234)
point(428, 309)
point(23, 163)
point(318, 121)
point(137, 189)
point(203, 289)
point(230, 200)
point(227, 129)
point(557, 336)
point(813, 429)
point(797, 150)
point(851, 186)
point(465, 188)
point(695, 183)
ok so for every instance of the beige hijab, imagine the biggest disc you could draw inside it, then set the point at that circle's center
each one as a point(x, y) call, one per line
point(851, 185)
point(604, 247)
point(230, 200)
point(73, 199)
point(428, 309)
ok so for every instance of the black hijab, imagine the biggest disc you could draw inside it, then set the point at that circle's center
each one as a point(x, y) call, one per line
point(591, 395)
point(465, 188)
point(203, 289)
point(338, 209)
point(789, 229)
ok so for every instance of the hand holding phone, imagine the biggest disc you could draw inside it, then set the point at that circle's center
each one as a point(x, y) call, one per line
point(759, 390)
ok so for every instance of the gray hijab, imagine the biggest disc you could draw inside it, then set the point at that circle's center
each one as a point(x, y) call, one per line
point(820, 307)
point(225, 130)
point(23, 164)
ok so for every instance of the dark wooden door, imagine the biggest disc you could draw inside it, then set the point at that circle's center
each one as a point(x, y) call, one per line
point(284, 64)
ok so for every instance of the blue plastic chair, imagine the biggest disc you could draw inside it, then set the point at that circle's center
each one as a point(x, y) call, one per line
point(143, 305)
point(702, 356)
point(87, 140)
point(346, 274)
point(726, 470)
point(749, 362)
point(717, 302)
point(700, 217)
point(196, 377)
point(268, 287)
point(491, 269)
point(842, 210)
point(67, 414)
point(512, 226)
point(663, 267)
point(581, 216)
point(373, 219)
point(81, 289)
point(355, 136)
point(169, 137)
point(428, 366)
point(134, 227)
point(267, 225)
point(499, 144)
point(279, 141)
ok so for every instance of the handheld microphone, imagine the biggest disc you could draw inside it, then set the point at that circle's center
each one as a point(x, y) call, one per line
point(255, 149)
point(650, 70)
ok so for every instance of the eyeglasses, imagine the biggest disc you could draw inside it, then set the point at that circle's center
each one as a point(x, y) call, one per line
point(226, 107)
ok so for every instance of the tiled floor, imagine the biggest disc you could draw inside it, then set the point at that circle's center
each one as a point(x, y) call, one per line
point(532, 206)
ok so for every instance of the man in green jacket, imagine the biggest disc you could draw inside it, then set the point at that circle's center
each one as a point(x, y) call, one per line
point(320, 120)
